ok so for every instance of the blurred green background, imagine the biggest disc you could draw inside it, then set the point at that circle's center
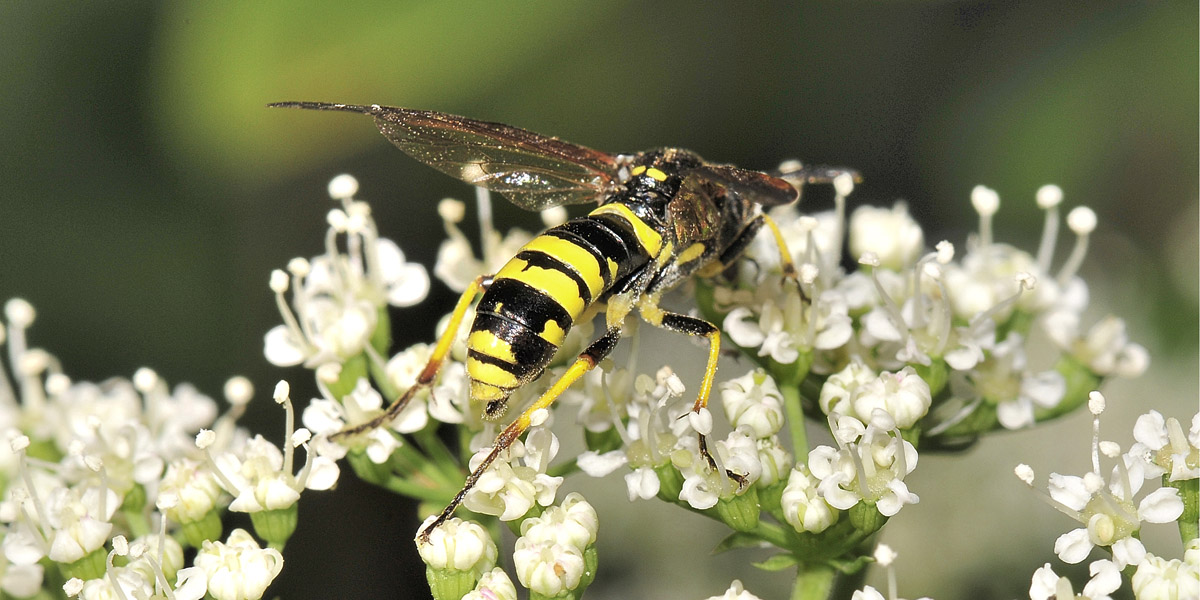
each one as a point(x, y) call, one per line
point(148, 193)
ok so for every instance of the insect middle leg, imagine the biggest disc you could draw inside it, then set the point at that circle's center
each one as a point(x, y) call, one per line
point(586, 361)
point(695, 327)
point(425, 378)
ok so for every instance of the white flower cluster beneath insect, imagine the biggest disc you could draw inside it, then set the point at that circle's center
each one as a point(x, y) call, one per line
point(86, 465)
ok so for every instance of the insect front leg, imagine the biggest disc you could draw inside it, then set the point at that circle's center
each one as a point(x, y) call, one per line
point(586, 361)
point(425, 378)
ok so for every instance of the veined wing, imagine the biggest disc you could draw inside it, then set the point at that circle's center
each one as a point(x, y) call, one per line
point(533, 171)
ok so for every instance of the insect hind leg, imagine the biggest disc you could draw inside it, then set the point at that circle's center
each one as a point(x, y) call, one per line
point(425, 378)
point(586, 361)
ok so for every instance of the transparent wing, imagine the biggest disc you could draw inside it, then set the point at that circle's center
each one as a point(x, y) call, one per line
point(533, 171)
point(755, 186)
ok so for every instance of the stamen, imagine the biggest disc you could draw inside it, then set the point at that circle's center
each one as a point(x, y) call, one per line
point(1096, 406)
point(204, 441)
point(1082, 221)
point(281, 396)
point(279, 286)
point(986, 202)
point(1048, 199)
point(889, 306)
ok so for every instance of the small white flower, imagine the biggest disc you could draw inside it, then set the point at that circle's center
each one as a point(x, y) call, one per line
point(547, 567)
point(194, 487)
point(1158, 578)
point(735, 592)
point(1046, 585)
point(882, 456)
point(509, 488)
point(458, 545)
point(803, 508)
point(1105, 348)
point(573, 523)
point(238, 569)
point(1108, 512)
point(844, 386)
point(80, 521)
point(903, 395)
point(891, 234)
point(1163, 447)
point(753, 401)
point(493, 585)
point(776, 461)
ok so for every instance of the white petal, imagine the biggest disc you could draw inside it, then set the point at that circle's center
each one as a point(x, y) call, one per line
point(324, 474)
point(1128, 551)
point(410, 286)
point(1161, 506)
point(1044, 585)
point(642, 483)
point(599, 465)
point(879, 324)
point(281, 348)
point(1015, 414)
point(740, 328)
point(1073, 546)
point(1106, 578)
point(1151, 430)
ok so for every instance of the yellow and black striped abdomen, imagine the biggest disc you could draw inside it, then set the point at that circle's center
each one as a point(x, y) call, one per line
point(536, 297)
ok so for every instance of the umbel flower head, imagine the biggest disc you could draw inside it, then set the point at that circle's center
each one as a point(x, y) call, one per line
point(956, 319)
point(86, 467)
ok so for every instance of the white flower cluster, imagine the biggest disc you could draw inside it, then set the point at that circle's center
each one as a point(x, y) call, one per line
point(1112, 517)
point(338, 298)
point(86, 467)
point(554, 555)
point(962, 322)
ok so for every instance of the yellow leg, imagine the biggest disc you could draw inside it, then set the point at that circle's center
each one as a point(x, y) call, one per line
point(696, 327)
point(440, 351)
point(785, 256)
point(586, 361)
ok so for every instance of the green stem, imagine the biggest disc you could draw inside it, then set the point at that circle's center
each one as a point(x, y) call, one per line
point(813, 581)
point(795, 420)
point(418, 491)
point(411, 460)
point(437, 451)
point(563, 469)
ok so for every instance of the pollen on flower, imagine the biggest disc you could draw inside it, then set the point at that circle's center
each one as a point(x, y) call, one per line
point(205, 438)
point(451, 210)
point(1049, 196)
point(337, 219)
point(843, 184)
point(884, 555)
point(144, 379)
point(1096, 403)
point(238, 390)
point(945, 252)
point(282, 391)
point(299, 266)
point(1081, 220)
point(1025, 473)
point(279, 281)
point(343, 187)
point(19, 313)
point(985, 200)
